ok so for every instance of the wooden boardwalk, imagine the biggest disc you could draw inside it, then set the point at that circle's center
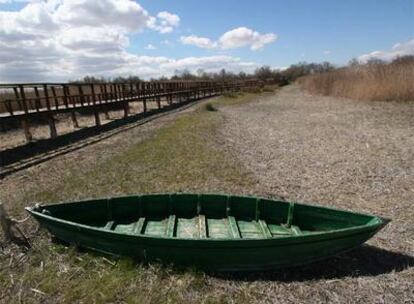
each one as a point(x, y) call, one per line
point(23, 102)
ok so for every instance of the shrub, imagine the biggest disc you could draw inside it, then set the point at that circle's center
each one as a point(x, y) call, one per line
point(210, 107)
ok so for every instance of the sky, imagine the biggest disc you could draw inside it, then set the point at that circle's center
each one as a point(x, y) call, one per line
point(60, 40)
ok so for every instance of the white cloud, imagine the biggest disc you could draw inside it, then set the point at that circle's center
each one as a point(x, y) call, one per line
point(399, 49)
point(120, 14)
point(168, 19)
point(33, 20)
point(243, 36)
point(165, 22)
point(10, 1)
point(327, 52)
point(236, 38)
point(57, 40)
point(93, 39)
point(150, 47)
point(200, 42)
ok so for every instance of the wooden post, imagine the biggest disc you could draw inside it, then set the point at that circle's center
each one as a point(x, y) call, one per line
point(74, 119)
point(93, 94)
point(179, 93)
point(55, 97)
point(124, 97)
point(145, 105)
point(97, 118)
point(26, 129)
point(71, 99)
point(52, 126)
point(82, 97)
point(95, 112)
point(126, 109)
point(104, 93)
point(17, 97)
point(23, 97)
point(123, 92)
point(108, 93)
point(112, 92)
point(139, 90)
point(65, 95)
point(131, 90)
point(38, 104)
point(46, 93)
point(115, 87)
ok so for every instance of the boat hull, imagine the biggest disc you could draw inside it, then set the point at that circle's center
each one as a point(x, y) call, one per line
point(212, 254)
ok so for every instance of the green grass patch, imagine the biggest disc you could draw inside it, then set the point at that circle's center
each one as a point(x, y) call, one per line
point(179, 157)
point(183, 156)
point(210, 107)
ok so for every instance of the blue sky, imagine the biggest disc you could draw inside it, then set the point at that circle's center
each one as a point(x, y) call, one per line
point(119, 37)
point(305, 29)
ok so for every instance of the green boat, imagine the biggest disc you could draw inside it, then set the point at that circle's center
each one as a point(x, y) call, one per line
point(208, 231)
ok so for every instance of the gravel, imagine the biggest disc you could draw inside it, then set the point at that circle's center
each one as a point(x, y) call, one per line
point(338, 152)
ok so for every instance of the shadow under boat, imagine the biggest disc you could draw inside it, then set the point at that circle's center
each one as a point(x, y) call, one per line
point(363, 261)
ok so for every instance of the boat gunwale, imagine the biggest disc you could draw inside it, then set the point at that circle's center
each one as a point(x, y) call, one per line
point(374, 224)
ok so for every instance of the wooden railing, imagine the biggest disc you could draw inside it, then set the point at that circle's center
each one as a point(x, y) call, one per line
point(25, 101)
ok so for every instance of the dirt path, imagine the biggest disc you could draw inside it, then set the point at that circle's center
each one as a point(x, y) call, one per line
point(349, 154)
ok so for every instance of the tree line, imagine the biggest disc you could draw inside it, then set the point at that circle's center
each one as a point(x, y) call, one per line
point(264, 73)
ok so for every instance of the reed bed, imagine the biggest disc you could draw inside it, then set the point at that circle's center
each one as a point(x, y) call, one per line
point(373, 81)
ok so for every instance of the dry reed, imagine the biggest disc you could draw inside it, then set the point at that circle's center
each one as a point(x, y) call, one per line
point(373, 81)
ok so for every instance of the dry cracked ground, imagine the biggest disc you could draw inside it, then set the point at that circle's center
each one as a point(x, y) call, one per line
point(349, 154)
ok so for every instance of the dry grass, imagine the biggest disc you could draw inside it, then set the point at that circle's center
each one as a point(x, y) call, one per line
point(302, 147)
point(346, 154)
point(384, 82)
point(180, 156)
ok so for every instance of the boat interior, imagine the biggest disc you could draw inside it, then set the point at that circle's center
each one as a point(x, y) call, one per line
point(201, 216)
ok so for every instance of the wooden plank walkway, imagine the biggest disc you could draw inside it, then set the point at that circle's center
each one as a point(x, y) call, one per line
point(59, 107)
point(23, 102)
